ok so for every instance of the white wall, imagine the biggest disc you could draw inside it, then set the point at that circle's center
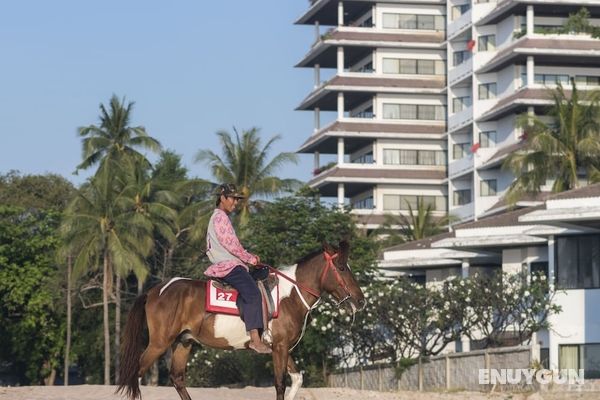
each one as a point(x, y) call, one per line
point(505, 29)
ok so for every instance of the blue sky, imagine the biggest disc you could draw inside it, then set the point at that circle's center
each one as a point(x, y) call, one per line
point(192, 68)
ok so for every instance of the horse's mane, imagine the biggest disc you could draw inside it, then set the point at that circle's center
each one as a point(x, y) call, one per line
point(309, 256)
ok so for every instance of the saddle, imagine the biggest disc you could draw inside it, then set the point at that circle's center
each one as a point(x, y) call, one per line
point(221, 298)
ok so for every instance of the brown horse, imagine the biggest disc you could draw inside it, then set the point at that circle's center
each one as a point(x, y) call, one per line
point(176, 318)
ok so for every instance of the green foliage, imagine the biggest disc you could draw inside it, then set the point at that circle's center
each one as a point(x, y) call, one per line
point(31, 326)
point(114, 139)
point(558, 150)
point(245, 163)
point(47, 191)
point(168, 169)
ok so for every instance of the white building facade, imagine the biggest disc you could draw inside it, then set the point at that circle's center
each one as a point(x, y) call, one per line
point(418, 99)
point(559, 237)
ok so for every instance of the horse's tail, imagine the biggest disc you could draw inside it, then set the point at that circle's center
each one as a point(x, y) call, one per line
point(131, 350)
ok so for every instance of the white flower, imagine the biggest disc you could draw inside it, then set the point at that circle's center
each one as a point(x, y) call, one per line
point(523, 316)
point(323, 328)
point(526, 293)
point(543, 277)
point(467, 299)
point(347, 319)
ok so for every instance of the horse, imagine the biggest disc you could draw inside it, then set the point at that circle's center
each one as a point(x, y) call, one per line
point(177, 318)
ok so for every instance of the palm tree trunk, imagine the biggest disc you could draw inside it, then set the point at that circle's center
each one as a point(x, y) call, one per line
point(117, 324)
point(105, 288)
point(68, 344)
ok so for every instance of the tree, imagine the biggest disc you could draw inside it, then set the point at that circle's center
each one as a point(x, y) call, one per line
point(559, 149)
point(31, 321)
point(114, 138)
point(102, 227)
point(245, 163)
point(418, 224)
point(48, 191)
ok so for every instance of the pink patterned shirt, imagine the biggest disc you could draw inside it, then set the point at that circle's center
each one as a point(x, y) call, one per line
point(228, 241)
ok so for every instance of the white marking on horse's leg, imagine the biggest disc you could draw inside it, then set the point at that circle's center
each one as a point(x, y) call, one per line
point(296, 384)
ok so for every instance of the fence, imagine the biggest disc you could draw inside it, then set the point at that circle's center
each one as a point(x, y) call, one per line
point(446, 372)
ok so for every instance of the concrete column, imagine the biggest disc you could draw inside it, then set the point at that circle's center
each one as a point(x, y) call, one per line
point(317, 160)
point(375, 197)
point(317, 75)
point(317, 118)
point(375, 149)
point(340, 151)
point(374, 105)
point(340, 105)
point(340, 60)
point(465, 271)
point(341, 13)
point(341, 194)
point(530, 71)
point(317, 31)
point(374, 16)
point(552, 335)
point(529, 20)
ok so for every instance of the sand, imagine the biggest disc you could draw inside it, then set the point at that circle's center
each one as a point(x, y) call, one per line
point(98, 392)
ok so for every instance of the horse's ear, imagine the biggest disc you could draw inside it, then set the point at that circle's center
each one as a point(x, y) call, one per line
point(327, 247)
point(344, 251)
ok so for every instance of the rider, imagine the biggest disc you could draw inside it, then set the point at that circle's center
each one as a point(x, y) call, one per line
point(229, 260)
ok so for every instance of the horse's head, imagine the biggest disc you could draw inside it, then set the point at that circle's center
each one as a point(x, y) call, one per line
point(337, 278)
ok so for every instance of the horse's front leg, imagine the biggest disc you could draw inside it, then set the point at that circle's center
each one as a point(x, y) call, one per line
point(280, 362)
point(296, 378)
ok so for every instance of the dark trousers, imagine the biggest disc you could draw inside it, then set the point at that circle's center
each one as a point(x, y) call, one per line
point(249, 300)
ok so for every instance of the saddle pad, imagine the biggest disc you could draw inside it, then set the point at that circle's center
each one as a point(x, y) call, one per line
point(223, 301)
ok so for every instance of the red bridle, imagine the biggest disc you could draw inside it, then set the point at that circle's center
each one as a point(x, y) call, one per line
point(329, 266)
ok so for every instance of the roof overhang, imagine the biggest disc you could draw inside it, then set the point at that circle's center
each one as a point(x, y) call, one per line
point(562, 215)
point(547, 9)
point(514, 240)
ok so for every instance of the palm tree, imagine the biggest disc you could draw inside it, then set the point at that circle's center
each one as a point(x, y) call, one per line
point(101, 228)
point(563, 149)
point(114, 138)
point(418, 224)
point(244, 163)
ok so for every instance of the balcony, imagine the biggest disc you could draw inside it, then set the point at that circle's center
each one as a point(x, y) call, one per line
point(460, 119)
point(460, 72)
point(356, 180)
point(325, 140)
point(460, 167)
point(360, 87)
point(358, 42)
point(572, 50)
point(460, 25)
point(464, 212)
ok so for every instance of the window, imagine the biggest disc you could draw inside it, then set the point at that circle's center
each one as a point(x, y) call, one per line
point(460, 103)
point(459, 10)
point(551, 79)
point(363, 159)
point(487, 91)
point(462, 197)
point(414, 111)
point(487, 43)
point(587, 80)
point(487, 139)
point(363, 204)
point(414, 21)
point(460, 150)
point(413, 157)
point(578, 262)
point(402, 202)
point(580, 356)
point(488, 187)
point(412, 66)
point(460, 57)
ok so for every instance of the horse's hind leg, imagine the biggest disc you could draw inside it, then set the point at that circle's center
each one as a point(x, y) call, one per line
point(150, 355)
point(181, 352)
point(296, 378)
